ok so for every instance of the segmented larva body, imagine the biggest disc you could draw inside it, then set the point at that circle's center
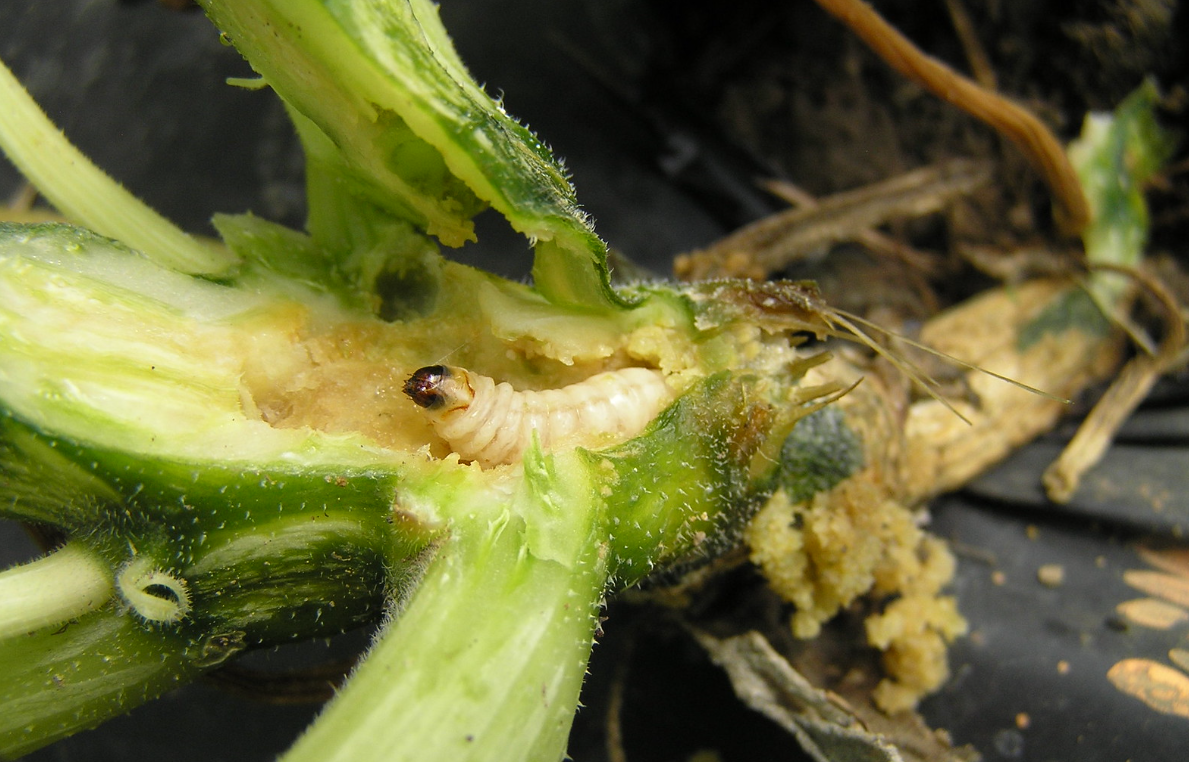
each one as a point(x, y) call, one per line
point(493, 424)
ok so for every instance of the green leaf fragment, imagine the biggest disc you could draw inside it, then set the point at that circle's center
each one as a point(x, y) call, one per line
point(390, 113)
point(1115, 156)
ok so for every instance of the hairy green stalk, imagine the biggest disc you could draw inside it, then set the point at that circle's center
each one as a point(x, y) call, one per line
point(232, 456)
point(52, 590)
point(60, 680)
point(484, 663)
point(85, 194)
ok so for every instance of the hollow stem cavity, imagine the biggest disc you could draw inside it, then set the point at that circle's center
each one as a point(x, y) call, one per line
point(155, 595)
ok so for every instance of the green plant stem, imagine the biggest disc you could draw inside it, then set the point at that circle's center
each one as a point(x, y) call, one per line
point(62, 680)
point(72, 657)
point(52, 590)
point(485, 662)
point(86, 195)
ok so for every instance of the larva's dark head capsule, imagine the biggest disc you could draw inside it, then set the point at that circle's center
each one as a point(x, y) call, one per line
point(425, 386)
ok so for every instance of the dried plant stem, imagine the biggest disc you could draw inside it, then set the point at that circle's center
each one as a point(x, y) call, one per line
point(1037, 142)
point(22, 198)
point(1128, 390)
point(880, 243)
point(976, 54)
point(774, 242)
point(1094, 436)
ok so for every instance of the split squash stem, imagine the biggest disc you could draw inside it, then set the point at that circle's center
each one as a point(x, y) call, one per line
point(484, 663)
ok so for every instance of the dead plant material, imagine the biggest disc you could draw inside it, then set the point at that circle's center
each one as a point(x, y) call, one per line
point(862, 536)
point(23, 198)
point(1044, 152)
point(22, 207)
point(1094, 436)
point(770, 244)
point(824, 551)
point(1035, 332)
point(1021, 262)
point(976, 54)
point(1174, 560)
point(877, 242)
point(828, 726)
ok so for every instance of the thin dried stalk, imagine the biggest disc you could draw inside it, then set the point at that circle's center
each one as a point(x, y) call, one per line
point(1094, 436)
point(976, 54)
point(616, 750)
point(830, 727)
point(1062, 477)
point(767, 245)
point(874, 240)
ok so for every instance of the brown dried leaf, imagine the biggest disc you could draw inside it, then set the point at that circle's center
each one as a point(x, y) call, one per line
point(826, 727)
point(774, 242)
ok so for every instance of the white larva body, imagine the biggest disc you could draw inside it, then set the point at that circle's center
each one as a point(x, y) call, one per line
point(493, 424)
